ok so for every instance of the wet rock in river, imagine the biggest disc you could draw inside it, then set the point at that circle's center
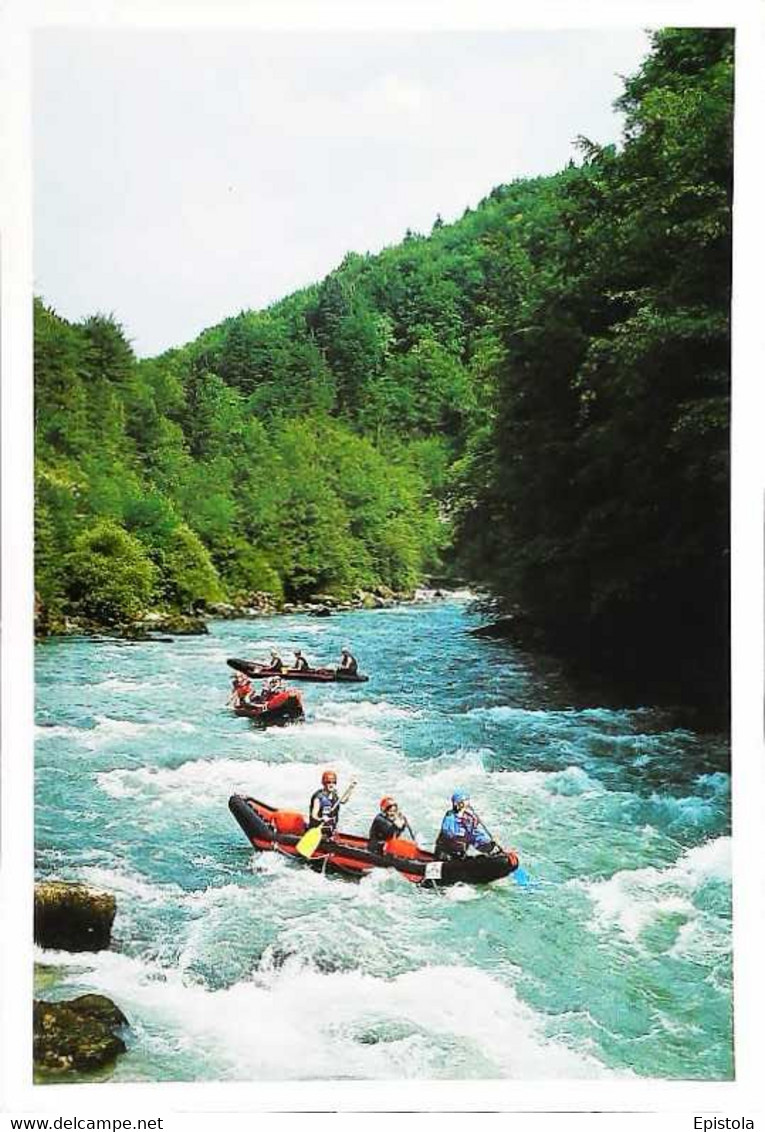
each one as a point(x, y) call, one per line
point(72, 917)
point(506, 626)
point(77, 1035)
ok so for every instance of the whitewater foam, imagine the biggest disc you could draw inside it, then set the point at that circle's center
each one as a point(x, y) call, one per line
point(437, 1021)
point(109, 730)
point(115, 684)
point(632, 900)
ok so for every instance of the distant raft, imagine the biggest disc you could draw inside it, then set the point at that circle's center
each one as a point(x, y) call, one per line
point(272, 829)
point(284, 707)
point(316, 675)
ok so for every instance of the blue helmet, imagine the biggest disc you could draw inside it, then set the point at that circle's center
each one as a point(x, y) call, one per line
point(459, 796)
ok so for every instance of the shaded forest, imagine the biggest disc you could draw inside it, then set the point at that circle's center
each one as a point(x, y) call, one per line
point(535, 397)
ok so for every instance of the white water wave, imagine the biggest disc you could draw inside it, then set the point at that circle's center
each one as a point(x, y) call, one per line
point(346, 711)
point(692, 810)
point(130, 885)
point(209, 782)
point(109, 730)
point(57, 731)
point(437, 1021)
point(329, 728)
point(115, 684)
point(531, 717)
point(634, 900)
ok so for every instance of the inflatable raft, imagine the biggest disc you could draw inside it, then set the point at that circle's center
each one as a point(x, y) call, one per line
point(272, 829)
point(284, 707)
point(316, 675)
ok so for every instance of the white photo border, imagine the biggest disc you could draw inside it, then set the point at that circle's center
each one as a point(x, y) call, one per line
point(666, 1100)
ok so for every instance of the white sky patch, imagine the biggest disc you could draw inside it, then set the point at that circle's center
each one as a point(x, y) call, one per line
point(395, 93)
point(184, 175)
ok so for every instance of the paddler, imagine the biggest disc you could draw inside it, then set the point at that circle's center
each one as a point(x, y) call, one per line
point(324, 807)
point(271, 687)
point(348, 663)
point(276, 664)
point(240, 689)
point(301, 664)
point(389, 822)
point(461, 830)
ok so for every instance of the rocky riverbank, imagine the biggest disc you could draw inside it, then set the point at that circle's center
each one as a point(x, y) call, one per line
point(163, 624)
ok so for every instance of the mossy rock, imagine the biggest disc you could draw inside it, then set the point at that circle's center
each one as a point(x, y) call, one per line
point(222, 609)
point(133, 633)
point(182, 625)
point(48, 977)
point(78, 1035)
point(72, 917)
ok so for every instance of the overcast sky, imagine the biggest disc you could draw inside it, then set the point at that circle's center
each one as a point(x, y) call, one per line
point(181, 177)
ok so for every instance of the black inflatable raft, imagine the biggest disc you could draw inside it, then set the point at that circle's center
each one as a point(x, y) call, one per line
point(271, 829)
point(315, 675)
point(284, 707)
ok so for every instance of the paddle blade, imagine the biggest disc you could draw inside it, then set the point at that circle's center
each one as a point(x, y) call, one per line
point(309, 842)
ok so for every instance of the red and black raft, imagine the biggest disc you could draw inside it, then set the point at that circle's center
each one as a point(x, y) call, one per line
point(272, 829)
point(314, 675)
point(282, 707)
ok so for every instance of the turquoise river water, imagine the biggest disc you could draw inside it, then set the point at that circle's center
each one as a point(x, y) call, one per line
point(231, 965)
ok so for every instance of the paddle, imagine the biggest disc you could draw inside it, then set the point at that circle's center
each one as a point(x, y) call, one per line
point(309, 842)
point(519, 875)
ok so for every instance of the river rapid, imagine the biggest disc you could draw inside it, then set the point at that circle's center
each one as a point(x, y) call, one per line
point(234, 965)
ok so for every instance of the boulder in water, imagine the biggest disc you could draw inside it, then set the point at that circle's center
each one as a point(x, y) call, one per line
point(509, 625)
point(72, 917)
point(77, 1035)
point(182, 624)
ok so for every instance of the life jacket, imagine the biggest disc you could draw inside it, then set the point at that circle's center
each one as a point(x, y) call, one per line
point(380, 831)
point(301, 664)
point(328, 809)
point(243, 689)
point(349, 664)
point(459, 831)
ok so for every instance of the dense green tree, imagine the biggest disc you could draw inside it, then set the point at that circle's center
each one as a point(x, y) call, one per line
point(602, 491)
point(109, 577)
point(188, 574)
point(61, 422)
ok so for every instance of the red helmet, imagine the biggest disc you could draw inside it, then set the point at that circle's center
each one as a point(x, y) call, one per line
point(327, 777)
point(386, 803)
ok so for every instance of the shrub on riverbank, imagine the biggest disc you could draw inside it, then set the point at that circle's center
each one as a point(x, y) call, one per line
point(109, 577)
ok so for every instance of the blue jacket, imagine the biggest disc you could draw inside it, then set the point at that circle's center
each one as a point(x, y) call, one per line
point(463, 828)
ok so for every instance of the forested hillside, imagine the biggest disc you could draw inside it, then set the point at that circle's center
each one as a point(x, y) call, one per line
point(537, 393)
